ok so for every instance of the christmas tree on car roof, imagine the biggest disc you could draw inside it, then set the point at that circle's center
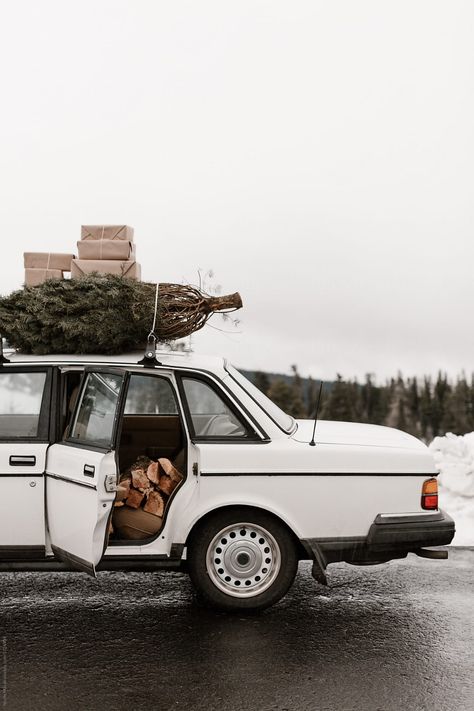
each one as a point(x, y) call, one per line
point(103, 313)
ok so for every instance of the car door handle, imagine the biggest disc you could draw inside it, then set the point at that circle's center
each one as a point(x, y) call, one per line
point(89, 470)
point(22, 460)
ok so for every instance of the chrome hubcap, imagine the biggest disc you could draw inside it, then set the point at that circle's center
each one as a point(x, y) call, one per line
point(243, 560)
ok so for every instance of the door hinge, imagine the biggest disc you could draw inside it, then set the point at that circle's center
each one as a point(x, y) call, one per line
point(195, 469)
point(110, 483)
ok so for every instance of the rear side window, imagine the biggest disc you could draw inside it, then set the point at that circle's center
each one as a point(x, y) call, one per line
point(150, 395)
point(21, 396)
point(211, 416)
point(95, 417)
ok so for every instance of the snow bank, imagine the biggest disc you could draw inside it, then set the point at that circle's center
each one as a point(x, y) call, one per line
point(454, 456)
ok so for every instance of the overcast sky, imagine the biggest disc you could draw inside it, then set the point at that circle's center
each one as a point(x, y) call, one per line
point(318, 156)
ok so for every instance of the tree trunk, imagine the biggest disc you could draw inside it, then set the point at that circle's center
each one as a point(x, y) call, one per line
point(224, 303)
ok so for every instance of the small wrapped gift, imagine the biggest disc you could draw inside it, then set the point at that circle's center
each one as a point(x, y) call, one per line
point(129, 269)
point(33, 277)
point(48, 260)
point(117, 232)
point(106, 249)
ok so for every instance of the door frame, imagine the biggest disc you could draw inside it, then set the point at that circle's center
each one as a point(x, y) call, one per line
point(168, 373)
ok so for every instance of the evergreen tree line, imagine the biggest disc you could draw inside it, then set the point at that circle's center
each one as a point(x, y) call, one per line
point(423, 407)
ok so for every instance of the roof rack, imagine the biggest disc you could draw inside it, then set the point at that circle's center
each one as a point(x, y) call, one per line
point(149, 359)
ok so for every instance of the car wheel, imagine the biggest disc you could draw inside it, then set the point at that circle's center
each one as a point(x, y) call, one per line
point(242, 560)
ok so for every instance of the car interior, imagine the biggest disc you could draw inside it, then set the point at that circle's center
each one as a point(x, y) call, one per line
point(151, 432)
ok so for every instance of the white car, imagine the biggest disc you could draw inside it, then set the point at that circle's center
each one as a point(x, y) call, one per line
point(255, 497)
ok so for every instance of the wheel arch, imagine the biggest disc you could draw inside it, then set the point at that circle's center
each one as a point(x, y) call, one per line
point(300, 550)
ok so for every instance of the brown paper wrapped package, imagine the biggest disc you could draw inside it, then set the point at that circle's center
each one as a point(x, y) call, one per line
point(120, 232)
point(106, 249)
point(129, 269)
point(33, 277)
point(48, 260)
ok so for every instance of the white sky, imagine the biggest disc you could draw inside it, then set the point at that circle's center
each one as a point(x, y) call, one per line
point(318, 156)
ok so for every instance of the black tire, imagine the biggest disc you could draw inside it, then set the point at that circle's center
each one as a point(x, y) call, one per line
point(242, 559)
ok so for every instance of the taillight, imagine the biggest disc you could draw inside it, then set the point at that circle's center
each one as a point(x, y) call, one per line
point(429, 494)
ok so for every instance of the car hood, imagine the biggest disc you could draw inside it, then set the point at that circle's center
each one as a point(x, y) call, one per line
point(353, 433)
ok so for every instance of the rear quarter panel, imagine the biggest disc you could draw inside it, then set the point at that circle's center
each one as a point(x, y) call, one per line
point(327, 491)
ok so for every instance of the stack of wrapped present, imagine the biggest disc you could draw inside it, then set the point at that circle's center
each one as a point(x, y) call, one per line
point(107, 249)
point(40, 266)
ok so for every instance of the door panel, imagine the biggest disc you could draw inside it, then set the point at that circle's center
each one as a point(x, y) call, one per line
point(82, 473)
point(25, 398)
point(78, 505)
point(22, 530)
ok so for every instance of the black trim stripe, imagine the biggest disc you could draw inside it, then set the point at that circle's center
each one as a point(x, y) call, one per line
point(22, 552)
point(83, 445)
point(23, 440)
point(74, 560)
point(228, 440)
point(118, 563)
point(290, 473)
point(72, 481)
point(15, 475)
point(384, 519)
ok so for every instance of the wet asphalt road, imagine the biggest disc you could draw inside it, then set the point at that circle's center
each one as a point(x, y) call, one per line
point(385, 638)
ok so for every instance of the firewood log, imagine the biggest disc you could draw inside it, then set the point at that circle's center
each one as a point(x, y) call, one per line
point(170, 476)
point(123, 489)
point(166, 484)
point(155, 503)
point(139, 479)
point(142, 462)
point(170, 470)
point(135, 498)
point(153, 473)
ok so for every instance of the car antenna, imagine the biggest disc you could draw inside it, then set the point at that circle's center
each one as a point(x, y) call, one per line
point(313, 443)
point(149, 359)
point(3, 359)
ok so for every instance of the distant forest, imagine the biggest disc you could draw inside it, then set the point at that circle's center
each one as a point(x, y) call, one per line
point(425, 407)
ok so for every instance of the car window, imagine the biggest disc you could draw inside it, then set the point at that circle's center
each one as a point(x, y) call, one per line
point(210, 414)
point(21, 395)
point(150, 395)
point(284, 421)
point(94, 419)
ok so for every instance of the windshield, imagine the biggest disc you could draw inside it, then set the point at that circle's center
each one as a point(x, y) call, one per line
point(284, 421)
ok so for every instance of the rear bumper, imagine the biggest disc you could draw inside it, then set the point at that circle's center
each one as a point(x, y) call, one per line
point(390, 536)
point(409, 533)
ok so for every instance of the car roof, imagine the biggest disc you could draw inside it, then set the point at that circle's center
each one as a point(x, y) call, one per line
point(167, 358)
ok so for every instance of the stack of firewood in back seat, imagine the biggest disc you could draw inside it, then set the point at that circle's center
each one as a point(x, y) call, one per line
point(142, 495)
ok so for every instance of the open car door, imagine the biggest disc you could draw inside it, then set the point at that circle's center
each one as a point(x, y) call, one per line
point(81, 472)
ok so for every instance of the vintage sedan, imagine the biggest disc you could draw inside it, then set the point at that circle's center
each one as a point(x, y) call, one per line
point(253, 498)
